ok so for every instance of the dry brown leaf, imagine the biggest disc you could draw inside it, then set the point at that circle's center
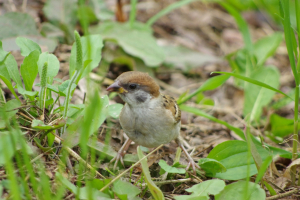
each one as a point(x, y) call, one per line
point(287, 172)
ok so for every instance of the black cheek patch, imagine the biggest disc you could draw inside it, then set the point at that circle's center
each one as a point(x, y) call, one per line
point(141, 98)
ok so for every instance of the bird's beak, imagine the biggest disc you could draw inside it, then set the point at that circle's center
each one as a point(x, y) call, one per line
point(115, 87)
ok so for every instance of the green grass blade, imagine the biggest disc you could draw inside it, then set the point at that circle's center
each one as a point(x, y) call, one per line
point(288, 38)
point(250, 80)
point(297, 7)
point(263, 169)
point(13, 183)
point(167, 10)
point(269, 187)
point(209, 84)
point(155, 191)
point(9, 85)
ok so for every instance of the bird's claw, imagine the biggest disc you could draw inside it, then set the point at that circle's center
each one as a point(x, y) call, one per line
point(117, 158)
point(192, 165)
point(121, 153)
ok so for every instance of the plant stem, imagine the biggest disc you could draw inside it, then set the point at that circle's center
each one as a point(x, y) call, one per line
point(67, 100)
point(132, 12)
point(295, 136)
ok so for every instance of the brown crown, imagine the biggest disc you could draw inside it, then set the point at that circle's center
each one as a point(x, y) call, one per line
point(142, 79)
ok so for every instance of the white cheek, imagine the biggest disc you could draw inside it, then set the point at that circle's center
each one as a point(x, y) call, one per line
point(136, 98)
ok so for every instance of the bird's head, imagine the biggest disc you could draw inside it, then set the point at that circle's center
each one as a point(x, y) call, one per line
point(135, 88)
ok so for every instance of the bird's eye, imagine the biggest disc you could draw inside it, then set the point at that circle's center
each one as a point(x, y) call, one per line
point(132, 86)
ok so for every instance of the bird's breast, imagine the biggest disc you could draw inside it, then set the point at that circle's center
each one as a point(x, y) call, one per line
point(148, 127)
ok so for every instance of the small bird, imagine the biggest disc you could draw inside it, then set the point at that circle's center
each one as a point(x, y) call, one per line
point(148, 117)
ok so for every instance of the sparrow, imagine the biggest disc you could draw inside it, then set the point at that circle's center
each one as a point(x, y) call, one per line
point(148, 117)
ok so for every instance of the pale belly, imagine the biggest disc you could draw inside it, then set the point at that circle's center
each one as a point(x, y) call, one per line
point(147, 128)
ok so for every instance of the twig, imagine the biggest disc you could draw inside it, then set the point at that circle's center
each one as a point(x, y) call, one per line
point(25, 116)
point(12, 5)
point(174, 181)
point(127, 170)
point(24, 4)
point(77, 157)
point(279, 196)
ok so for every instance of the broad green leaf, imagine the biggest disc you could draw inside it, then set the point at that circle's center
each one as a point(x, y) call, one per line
point(257, 97)
point(61, 11)
point(102, 10)
point(233, 155)
point(50, 139)
point(38, 124)
point(253, 81)
point(75, 110)
point(91, 50)
point(24, 92)
point(114, 110)
point(6, 146)
point(96, 112)
point(8, 70)
point(10, 108)
point(242, 190)
point(63, 88)
point(96, 194)
point(185, 58)
point(53, 65)
point(202, 190)
point(125, 188)
point(1, 190)
point(210, 187)
point(135, 41)
point(281, 126)
point(15, 24)
point(198, 112)
point(13, 70)
point(2, 124)
point(3, 54)
point(27, 46)
point(88, 16)
point(29, 69)
point(170, 169)
point(191, 197)
point(266, 47)
point(49, 30)
point(48, 44)
point(211, 166)
point(209, 84)
point(155, 191)
point(4, 72)
point(62, 14)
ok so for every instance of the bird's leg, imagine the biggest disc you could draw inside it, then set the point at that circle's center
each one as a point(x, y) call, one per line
point(121, 153)
point(191, 161)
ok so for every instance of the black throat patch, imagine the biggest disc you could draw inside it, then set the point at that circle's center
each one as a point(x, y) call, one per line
point(141, 98)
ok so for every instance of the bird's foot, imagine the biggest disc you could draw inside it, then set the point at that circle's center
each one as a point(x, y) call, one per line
point(120, 154)
point(117, 158)
point(192, 164)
